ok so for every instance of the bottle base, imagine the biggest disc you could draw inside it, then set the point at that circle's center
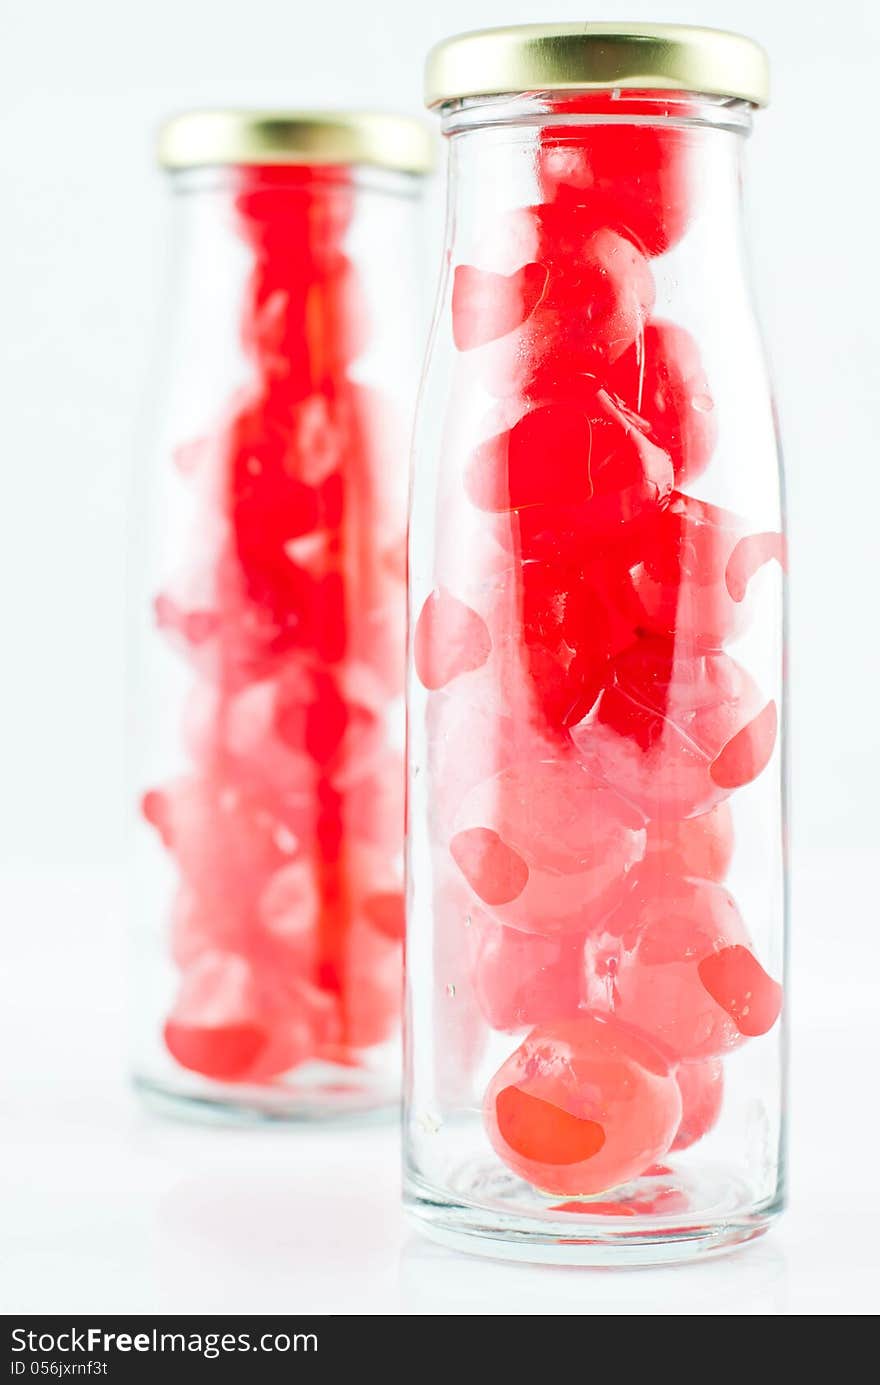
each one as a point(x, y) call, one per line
point(331, 1101)
point(588, 1232)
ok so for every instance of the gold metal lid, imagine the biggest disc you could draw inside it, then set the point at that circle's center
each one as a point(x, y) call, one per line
point(568, 57)
point(200, 138)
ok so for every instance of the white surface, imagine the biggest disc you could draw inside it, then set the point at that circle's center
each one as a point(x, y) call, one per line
point(107, 1210)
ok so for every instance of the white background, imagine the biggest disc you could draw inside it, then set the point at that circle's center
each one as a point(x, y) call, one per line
point(109, 1212)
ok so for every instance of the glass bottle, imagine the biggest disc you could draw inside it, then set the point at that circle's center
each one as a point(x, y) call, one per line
point(270, 618)
point(596, 856)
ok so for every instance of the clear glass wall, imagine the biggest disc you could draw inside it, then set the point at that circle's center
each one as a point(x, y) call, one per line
point(597, 889)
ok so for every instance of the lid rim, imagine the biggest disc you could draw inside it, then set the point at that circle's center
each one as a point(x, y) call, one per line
point(592, 56)
point(240, 136)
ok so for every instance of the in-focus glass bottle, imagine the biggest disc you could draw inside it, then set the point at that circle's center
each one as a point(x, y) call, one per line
point(597, 870)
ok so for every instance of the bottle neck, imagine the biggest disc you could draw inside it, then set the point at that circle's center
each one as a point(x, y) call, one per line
point(315, 180)
point(662, 169)
point(579, 109)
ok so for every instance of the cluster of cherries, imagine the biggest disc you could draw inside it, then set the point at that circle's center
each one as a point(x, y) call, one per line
point(286, 827)
point(586, 726)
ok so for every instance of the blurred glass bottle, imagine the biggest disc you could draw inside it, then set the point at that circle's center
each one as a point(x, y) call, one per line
point(270, 613)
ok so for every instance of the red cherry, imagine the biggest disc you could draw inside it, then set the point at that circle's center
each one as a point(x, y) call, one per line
point(522, 979)
point(387, 913)
point(494, 871)
point(596, 296)
point(638, 178)
point(374, 803)
point(225, 1025)
point(663, 722)
point(570, 630)
point(661, 378)
point(224, 1052)
point(227, 840)
point(450, 639)
point(681, 582)
point(486, 306)
point(155, 810)
point(294, 214)
point(289, 907)
point(735, 979)
point(700, 846)
point(542, 1133)
point(469, 741)
point(646, 969)
point(546, 847)
point(581, 1106)
point(748, 556)
point(748, 752)
point(587, 454)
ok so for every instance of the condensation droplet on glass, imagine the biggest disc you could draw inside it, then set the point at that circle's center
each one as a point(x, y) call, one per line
point(450, 990)
point(703, 403)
